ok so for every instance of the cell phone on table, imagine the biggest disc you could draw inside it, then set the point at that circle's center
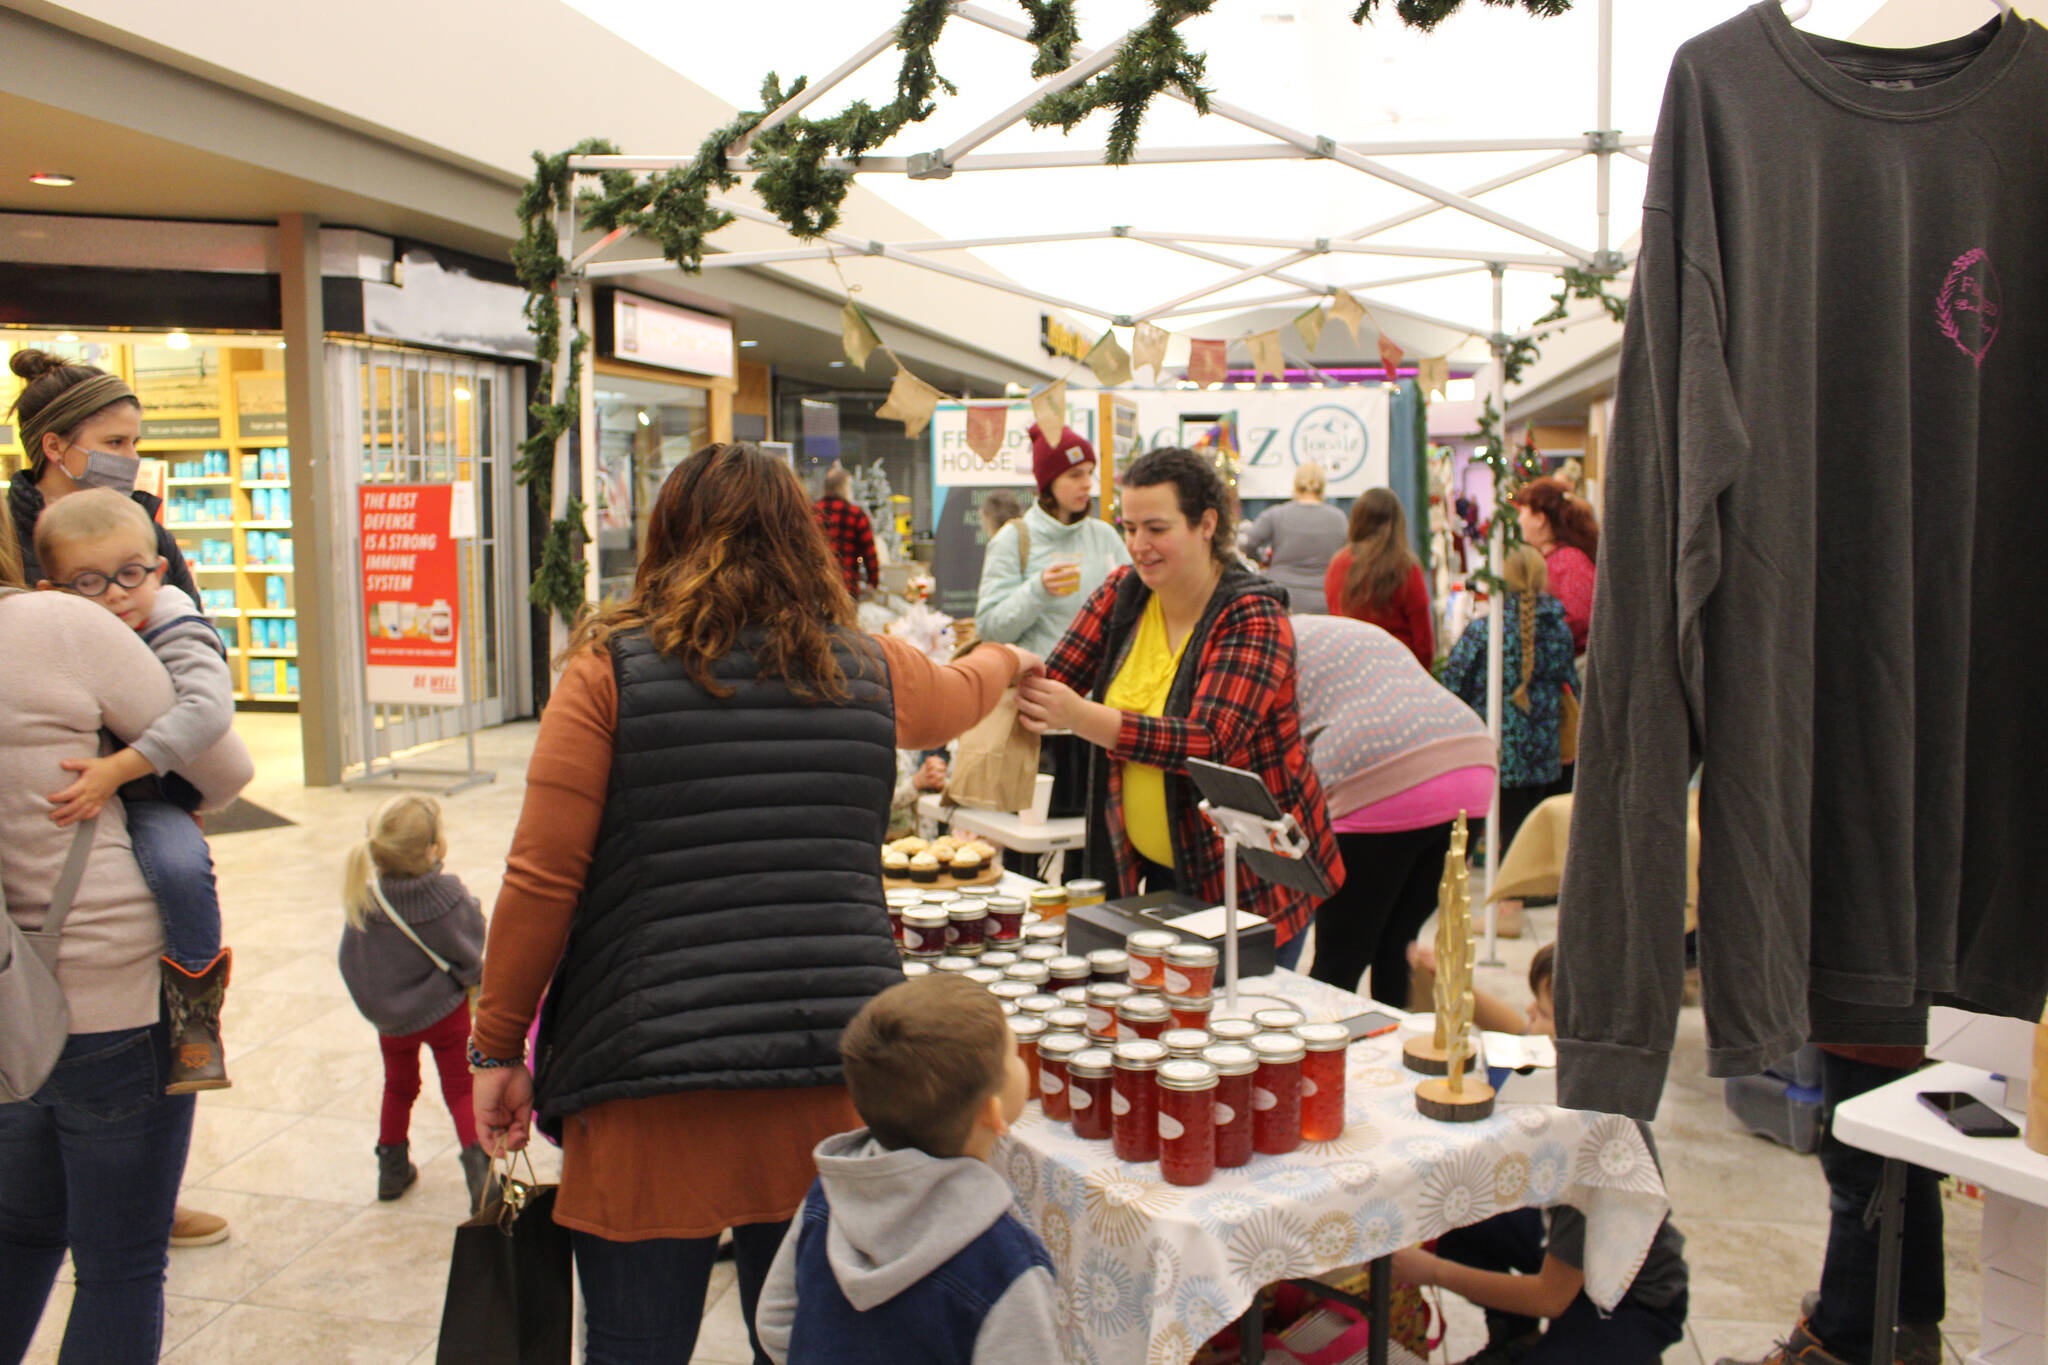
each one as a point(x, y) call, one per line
point(1371, 1024)
point(1967, 1114)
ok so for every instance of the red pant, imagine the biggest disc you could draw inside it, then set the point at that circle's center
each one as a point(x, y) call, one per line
point(449, 1039)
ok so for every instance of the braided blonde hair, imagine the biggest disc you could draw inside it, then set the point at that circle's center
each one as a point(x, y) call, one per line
point(1527, 577)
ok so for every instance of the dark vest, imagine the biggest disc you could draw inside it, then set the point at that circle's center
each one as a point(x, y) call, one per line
point(732, 919)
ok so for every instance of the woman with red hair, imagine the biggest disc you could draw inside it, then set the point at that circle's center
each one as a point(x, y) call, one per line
point(1567, 533)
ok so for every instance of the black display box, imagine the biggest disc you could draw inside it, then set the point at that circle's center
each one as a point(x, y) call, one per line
point(1109, 924)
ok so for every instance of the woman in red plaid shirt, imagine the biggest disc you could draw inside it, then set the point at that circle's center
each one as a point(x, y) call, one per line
point(1184, 655)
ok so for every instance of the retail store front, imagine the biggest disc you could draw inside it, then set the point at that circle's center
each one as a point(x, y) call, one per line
point(644, 429)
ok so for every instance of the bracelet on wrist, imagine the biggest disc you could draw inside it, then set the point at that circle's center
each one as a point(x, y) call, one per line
point(479, 1062)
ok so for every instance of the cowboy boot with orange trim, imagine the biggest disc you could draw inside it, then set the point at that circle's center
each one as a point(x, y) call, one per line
point(193, 1002)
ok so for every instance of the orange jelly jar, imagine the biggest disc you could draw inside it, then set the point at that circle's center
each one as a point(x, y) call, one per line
point(1055, 1051)
point(1322, 1080)
point(1276, 1093)
point(1187, 1122)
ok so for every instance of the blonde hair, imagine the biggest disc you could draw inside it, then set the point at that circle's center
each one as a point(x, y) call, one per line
point(10, 556)
point(1310, 478)
point(405, 841)
point(1526, 576)
point(90, 514)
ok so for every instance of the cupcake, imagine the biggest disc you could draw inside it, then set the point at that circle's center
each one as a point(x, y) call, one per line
point(966, 863)
point(986, 849)
point(895, 863)
point(924, 868)
point(910, 846)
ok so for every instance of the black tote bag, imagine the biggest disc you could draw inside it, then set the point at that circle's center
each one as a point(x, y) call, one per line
point(509, 1283)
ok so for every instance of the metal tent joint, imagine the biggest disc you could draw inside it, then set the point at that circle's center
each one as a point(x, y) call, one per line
point(930, 166)
point(1601, 140)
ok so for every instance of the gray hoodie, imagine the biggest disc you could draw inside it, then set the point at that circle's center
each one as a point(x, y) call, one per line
point(898, 1216)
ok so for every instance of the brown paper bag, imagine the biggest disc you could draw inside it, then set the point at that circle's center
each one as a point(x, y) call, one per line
point(996, 765)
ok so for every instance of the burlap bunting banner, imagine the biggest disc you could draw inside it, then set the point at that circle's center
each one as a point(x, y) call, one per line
point(987, 425)
point(1207, 362)
point(1267, 357)
point(911, 401)
point(1148, 349)
point(1348, 311)
point(1433, 376)
point(1110, 362)
point(1390, 357)
point(1049, 407)
point(857, 335)
point(1310, 325)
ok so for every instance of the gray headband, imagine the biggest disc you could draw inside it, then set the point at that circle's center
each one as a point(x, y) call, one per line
point(71, 407)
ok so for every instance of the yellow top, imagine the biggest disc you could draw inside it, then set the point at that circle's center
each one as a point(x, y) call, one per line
point(1141, 685)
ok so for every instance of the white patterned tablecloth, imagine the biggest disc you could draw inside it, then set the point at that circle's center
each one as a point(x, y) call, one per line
point(1149, 1271)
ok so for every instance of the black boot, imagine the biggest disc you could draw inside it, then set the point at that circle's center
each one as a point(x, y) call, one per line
point(476, 1170)
point(395, 1173)
point(192, 1004)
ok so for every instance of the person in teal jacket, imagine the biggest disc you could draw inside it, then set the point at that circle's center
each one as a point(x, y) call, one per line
point(1040, 568)
point(1536, 666)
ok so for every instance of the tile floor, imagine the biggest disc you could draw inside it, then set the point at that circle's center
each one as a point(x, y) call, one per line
point(317, 1270)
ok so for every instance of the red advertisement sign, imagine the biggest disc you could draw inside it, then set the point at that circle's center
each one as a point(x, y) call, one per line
point(411, 594)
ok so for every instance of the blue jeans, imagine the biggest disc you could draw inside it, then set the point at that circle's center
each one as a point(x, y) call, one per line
point(171, 851)
point(92, 1164)
point(643, 1301)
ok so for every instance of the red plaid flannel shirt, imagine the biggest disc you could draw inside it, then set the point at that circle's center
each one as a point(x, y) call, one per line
point(852, 538)
point(1244, 715)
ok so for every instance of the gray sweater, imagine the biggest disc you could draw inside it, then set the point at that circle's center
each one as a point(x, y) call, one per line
point(1304, 537)
point(190, 650)
point(394, 984)
point(1818, 571)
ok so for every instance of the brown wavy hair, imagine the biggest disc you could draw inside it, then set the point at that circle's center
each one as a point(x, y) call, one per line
point(1571, 521)
point(732, 543)
point(1380, 555)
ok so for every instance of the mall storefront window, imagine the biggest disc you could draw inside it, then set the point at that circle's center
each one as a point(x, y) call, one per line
point(644, 430)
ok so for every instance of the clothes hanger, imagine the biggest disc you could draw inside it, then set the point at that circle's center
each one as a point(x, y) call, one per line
point(1795, 10)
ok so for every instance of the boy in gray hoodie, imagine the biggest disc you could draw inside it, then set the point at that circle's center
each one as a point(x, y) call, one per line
point(100, 545)
point(908, 1235)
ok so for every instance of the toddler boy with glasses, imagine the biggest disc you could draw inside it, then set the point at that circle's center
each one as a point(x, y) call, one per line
point(100, 545)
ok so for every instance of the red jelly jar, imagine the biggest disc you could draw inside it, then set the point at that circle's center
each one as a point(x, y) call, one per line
point(1234, 1030)
point(1109, 965)
point(1005, 919)
point(1235, 1066)
point(1190, 1013)
point(1103, 1000)
point(1187, 1122)
point(1141, 1016)
point(1088, 1092)
point(1278, 1020)
point(1322, 1080)
point(1012, 991)
point(1029, 1032)
point(1190, 970)
point(1040, 952)
point(1033, 972)
point(998, 958)
point(1076, 996)
point(1050, 932)
point(1055, 1051)
point(967, 932)
point(1134, 1100)
point(917, 969)
point(924, 933)
point(983, 976)
point(1068, 1019)
point(1040, 1005)
point(1185, 1044)
point(1276, 1093)
point(1147, 949)
point(1068, 971)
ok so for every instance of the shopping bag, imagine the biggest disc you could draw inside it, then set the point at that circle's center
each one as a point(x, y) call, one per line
point(996, 764)
point(509, 1281)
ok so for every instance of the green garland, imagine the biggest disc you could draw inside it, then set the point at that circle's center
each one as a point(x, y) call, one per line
point(1575, 284)
point(1155, 58)
point(1427, 14)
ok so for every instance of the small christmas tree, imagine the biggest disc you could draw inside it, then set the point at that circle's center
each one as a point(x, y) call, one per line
point(871, 493)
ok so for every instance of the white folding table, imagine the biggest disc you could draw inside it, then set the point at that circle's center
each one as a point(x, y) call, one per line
point(1006, 829)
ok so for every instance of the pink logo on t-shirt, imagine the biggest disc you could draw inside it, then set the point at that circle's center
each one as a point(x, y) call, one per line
point(1967, 307)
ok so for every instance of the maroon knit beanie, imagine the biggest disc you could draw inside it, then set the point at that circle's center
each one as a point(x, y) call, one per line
point(1048, 462)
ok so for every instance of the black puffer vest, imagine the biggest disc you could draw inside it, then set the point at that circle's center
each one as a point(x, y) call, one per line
point(732, 920)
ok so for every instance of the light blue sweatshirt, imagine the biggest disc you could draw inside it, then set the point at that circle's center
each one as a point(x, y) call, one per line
point(1013, 607)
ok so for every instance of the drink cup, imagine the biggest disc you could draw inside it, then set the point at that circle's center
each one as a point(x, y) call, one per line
point(1067, 575)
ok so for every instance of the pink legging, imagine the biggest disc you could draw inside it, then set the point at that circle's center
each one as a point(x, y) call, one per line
point(449, 1040)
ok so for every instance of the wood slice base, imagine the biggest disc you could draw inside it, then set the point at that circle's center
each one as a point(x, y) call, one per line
point(945, 881)
point(1434, 1100)
point(1422, 1056)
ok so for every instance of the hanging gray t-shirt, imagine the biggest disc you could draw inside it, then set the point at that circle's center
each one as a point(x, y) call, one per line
point(1821, 563)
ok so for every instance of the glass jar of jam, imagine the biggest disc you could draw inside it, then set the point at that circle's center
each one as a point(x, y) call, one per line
point(924, 933)
point(1073, 995)
point(938, 897)
point(967, 932)
point(1190, 970)
point(1039, 952)
point(1147, 949)
point(1322, 1080)
point(983, 976)
point(1141, 1016)
point(1050, 931)
point(1088, 1091)
point(1276, 1093)
point(1012, 991)
point(1086, 891)
point(1185, 1044)
point(1236, 1065)
point(916, 969)
point(1068, 970)
point(1134, 1100)
point(1187, 1122)
point(1069, 1019)
point(1049, 901)
point(1055, 1050)
point(1233, 1030)
point(953, 962)
point(1103, 1000)
point(1280, 1019)
point(1033, 972)
point(998, 958)
point(1005, 919)
point(1040, 1005)
point(1109, 965)
point(1191, 1012)
point(1029, 1031)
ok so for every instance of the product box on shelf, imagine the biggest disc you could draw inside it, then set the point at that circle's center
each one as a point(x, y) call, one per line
point(1110, 925)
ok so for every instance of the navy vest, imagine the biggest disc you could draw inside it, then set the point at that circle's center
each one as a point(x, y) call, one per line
point(934, 1322)
point(732, 919)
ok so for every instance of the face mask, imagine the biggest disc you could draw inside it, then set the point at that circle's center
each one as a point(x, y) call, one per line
point(107, 471)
